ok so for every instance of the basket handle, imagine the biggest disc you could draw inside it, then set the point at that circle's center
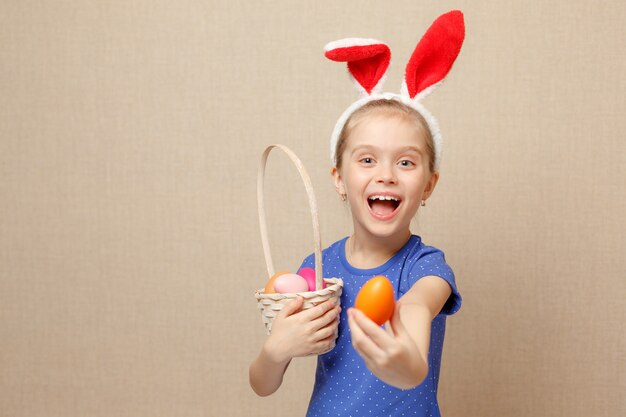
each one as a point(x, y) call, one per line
point(317, 247)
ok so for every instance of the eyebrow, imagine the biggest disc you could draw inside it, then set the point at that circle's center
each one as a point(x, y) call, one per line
point(360, 147)
point(411, 148)
point(401, 150)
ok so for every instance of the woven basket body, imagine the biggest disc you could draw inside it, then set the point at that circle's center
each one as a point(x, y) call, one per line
point(271, 304)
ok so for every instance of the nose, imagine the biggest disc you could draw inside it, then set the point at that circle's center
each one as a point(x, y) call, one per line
point(386, 175)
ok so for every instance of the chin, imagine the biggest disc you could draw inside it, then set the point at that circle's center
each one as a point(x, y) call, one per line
point(386, 230)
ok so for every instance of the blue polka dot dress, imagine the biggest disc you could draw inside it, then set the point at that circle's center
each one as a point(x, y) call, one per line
point(343, 384)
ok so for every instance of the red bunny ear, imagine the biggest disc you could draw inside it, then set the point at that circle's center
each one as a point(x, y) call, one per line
point(367, 59)
point(435, 53)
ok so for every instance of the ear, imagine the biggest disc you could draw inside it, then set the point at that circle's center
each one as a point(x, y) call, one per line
point(338, 181)
point(434, 55)
point(430, 186)
point(368, 60)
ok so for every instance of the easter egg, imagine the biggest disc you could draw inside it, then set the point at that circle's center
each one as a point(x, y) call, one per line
point(376, 299)
point(269, 287)
point(290, 283)
point(309, 275)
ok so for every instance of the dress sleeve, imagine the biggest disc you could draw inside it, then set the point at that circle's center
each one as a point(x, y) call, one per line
point(431, 261)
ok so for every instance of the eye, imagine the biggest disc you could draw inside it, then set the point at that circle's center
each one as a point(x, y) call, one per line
point(406, 163)
point(366, 160)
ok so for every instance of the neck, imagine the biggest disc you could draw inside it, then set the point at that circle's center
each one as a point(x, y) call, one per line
point(366, 252)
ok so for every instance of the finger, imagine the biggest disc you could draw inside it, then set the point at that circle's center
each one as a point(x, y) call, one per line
point(361, 342)
point(396, 324)
point(324, 345)
point(317, 311)
point(327, 318)
point(325, 332)
point(389, 329)
point(290, 308)
point(378, 335)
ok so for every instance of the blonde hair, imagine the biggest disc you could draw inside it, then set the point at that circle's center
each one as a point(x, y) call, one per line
point(391, 108)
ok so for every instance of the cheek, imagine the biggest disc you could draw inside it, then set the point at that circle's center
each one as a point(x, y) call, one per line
point(416, 184)
point(355, 179)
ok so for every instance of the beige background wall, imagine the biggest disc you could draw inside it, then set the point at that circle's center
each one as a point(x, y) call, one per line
point(130, 133)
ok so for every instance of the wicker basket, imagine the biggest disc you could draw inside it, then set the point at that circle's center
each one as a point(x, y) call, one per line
point(271, 304)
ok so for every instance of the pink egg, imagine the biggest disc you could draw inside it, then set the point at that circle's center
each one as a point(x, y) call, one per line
point(309, 275)
point(290, 283)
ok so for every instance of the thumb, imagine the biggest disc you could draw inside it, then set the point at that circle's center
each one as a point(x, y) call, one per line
point(396, 324)
point(292, 307)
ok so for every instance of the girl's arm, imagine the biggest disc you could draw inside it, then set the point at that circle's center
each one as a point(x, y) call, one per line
point(399, 354)
point(294, 333)
point(266, 375)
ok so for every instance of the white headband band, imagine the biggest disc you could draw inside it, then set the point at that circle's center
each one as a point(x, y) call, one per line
point(432, 59)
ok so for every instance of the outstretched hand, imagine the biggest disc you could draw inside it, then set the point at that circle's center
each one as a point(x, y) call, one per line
point(297, 332)
point(391, 354)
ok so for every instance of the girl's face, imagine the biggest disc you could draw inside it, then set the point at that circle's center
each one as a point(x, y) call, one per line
point(385, 175)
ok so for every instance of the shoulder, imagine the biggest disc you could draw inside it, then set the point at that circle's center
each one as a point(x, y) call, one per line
point(423, 261)
point(425, 258)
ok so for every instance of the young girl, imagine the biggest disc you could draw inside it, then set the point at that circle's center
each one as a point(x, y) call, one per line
point(386, 152)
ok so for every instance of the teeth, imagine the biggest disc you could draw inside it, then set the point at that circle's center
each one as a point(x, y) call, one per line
point(383, 197)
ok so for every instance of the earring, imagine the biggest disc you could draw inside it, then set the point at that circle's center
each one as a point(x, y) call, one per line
point(423, 203)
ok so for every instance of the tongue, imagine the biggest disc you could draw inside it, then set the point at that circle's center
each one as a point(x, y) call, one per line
point(383, 207)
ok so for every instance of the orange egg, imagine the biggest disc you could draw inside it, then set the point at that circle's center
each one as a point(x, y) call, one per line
point(269, 287)
point(376, 299)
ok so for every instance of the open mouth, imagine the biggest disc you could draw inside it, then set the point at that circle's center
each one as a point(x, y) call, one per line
point(383, 206)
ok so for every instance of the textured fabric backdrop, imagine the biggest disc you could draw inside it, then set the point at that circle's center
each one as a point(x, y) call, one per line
point(130, 135)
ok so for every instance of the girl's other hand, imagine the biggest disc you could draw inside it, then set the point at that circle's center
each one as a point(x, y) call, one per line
point(297, 332)
point(390, 354)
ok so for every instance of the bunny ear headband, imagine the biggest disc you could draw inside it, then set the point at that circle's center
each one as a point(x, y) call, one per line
point(432, 59)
